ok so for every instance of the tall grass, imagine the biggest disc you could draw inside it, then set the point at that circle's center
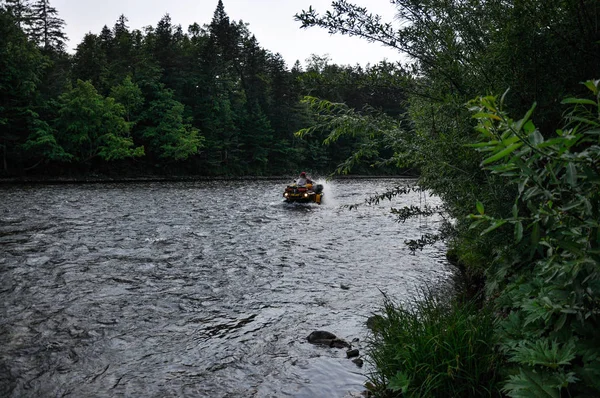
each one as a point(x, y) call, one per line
point(433, 348)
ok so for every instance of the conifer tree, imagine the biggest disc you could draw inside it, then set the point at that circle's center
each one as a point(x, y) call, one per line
point(46, 28)
point(21, 67)
point(20, 9)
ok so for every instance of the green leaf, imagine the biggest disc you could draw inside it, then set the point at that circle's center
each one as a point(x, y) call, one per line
point(495, 225)
point(543, 352)
point(483, 115)
point(476, 224)
point(584, 120)
point(578, 101)
point(571, 205)
point(592, 85)
point(571, 174)
point(400, 382)
point(529, 384)
point(518, 231)
point(482, 144)
point(537, 138)
point(529, 127)
point(520, 123)
point(503, 153)
point(480, 208)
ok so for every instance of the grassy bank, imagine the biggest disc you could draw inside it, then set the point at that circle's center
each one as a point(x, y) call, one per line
point(434, 347)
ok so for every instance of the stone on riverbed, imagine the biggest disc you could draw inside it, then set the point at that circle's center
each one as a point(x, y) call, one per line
point(323, 337)
point(352, 353)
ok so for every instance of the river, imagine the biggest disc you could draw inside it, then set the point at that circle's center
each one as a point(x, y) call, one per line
point(197, 289)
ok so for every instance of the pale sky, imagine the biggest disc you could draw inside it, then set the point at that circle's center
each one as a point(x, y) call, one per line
point(271, 21)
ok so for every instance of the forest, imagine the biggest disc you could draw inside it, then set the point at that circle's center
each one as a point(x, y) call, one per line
point(204, 101)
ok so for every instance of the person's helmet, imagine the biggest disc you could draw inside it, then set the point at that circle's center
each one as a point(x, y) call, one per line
point(303, 174)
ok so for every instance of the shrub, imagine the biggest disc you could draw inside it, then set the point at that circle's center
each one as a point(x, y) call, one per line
point(433, 348)
point(548, 277)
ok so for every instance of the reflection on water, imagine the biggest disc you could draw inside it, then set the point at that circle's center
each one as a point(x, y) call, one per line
point(196, 289)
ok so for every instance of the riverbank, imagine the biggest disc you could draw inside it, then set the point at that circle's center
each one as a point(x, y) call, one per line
point(94, 178)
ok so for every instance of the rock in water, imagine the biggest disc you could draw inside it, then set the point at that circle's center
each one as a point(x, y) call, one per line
point(352, 353)
point(327, 338)
point(321, 337)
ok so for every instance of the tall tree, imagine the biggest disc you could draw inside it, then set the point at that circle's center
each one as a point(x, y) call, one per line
point(90, 61)
point(20, 9)
point(222, 95)
point(90, 126)
point(165, 130)
point(22, 67)
point(47, 29)
point(121, 54)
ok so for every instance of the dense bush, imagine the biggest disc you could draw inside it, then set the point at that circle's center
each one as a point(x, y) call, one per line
point(548, 277)
point(434, 348)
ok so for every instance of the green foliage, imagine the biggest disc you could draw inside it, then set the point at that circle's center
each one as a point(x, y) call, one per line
point(533, 195)
point(374, 135)
point(166, 133)
point(90, 125)
point(21, 70)
point(42, 143)
point(243, 98)
point(551, 289)
point(130, 96)
point(430, 347)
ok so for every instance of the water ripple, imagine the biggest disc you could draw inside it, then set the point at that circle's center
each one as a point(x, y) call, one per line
point(196, 289)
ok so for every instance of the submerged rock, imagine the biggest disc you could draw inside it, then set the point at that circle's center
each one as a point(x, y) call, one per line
point(352, 353)
point(323, 337)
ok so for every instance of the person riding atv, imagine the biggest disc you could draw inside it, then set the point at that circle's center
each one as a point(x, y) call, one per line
point(302, 191)
point(303, 180)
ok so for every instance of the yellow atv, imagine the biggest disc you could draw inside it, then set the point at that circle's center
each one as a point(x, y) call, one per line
point(303, 193)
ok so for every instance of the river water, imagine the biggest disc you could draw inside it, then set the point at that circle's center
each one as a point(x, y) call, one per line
point(197, 289)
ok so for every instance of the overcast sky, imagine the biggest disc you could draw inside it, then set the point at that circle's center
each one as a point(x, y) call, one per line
point(271, 21)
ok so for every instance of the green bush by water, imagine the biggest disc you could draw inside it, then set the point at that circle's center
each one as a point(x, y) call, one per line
point(433, 348)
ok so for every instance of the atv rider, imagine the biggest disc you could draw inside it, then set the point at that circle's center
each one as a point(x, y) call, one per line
point(303, 179)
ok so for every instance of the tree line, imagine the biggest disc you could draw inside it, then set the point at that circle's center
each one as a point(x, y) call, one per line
point(209, 101)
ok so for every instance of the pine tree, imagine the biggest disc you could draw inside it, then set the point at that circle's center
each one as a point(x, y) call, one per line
point(90, 62)
point(20, 9)
point(120, 58)
point(21, 68)
point(46, 27)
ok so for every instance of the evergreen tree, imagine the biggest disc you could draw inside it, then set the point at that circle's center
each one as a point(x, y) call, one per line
point(90, 61)
point(22, 66)
point(121, 53)
point(285, 115)
point(46, 27)
point(20, 9)
point(166, 132)
point(222, 96)
point(166, 43)
point(256, 139)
